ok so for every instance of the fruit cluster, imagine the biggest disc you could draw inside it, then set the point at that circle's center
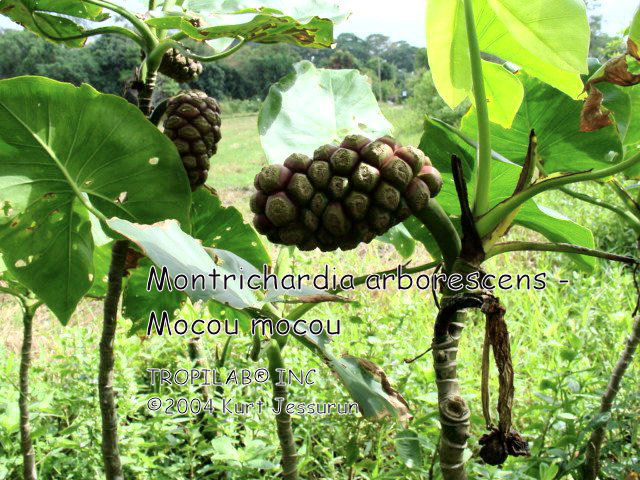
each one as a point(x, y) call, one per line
point(345, 195)
point(182, 69)
point(192, 122)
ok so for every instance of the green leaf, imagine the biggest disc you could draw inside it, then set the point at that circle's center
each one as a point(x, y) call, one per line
point(409, 448)
point(634, 29)
point(496, 38)
point(168, 246)
point(302, 10)
point(223, 227)
point(507, 29)
point(31, 15)
point(504, 93)
point(448, 50)
point(401, 239)
point(558, 228)
point(63, 150)
point(557, 30)
point(556, 119)
point(439, 144)
point(215, 226)
point(316, 33)
point(138, 303)
point(312, 107)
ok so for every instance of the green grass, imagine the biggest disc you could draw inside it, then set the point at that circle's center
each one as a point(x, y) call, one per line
point(239, 155)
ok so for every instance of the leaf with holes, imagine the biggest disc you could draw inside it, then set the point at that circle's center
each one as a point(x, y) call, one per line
point(224, 228)
point(64, 151)
point(262, 28)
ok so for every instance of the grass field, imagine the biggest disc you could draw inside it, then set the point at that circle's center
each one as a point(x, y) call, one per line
point(565, 341)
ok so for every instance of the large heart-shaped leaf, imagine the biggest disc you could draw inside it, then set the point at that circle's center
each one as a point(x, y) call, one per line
point(314, 106)
point(555, 117)
point(511, 31)
point(168, 246)
point(31, 14)
point(439, 143)
point(65, 149)
point(556, 30)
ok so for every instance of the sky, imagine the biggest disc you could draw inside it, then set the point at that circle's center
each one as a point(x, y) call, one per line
point(405, 19)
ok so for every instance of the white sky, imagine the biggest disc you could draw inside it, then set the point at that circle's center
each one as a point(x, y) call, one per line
point(405, 19)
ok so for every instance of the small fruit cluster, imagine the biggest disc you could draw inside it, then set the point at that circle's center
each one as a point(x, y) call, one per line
point(193, 122)
point(177, 66)
point(345, 195)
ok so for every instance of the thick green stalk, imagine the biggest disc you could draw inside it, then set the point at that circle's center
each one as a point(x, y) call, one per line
point(483, 182)
point(507, 247)
point(145, 31)
point(112, 29)
point(627, 199)
point(631, 220)
point(487, 223)
point(155, 57)
point(436, 220)
point(110, 452)
point(289, 460)
point(591, 466)
point(28, 453)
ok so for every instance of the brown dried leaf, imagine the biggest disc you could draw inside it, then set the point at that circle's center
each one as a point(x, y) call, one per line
point(616, 71)
point(397, 401)
point(593, 117)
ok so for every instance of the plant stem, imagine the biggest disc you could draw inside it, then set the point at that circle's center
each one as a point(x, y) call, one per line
point(591, 466)
point(289, 459)
point(26, 444)
point(155, 57)
point(631, 220)
point(150, 40)
point(145, 95)
point(113, 29)
point(436, 220)
point(627, 199)
point(110, 453)
point(507, 247)
point(483, 182)
point(454, 412)
point(492, 218)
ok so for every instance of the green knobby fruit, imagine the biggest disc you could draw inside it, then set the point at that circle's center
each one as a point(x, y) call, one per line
point(192, 122)
point(178, 67)
point(344, 195)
